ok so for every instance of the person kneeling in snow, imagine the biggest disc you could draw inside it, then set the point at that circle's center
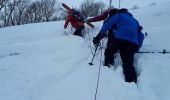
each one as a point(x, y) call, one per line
point(128, 38)
point(75, 23)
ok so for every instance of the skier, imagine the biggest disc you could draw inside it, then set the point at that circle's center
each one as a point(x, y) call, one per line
point(105, 16)
point(128, 38)
point(75, 23)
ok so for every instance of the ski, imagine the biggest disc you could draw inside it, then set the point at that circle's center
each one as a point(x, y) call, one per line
point(76, 15)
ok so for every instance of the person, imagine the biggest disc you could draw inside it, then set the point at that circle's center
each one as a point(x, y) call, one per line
point(128, 38)
point(75, 23)
point(104, 17)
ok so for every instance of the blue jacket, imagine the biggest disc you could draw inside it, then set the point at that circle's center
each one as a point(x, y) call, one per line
point(127, 28)
point(140, 38)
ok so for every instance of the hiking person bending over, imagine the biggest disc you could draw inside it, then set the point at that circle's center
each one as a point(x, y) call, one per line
point(75, 23)
point(128, 39)
point(105, 16)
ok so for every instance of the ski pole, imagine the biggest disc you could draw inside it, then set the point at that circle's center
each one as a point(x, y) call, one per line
point(91, 63)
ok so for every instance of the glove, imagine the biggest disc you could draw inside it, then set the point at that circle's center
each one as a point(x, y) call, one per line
point(86, 21)
point(96, 41)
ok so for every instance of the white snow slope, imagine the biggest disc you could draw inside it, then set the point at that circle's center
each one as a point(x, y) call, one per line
point(124, 3)
point(42, 62)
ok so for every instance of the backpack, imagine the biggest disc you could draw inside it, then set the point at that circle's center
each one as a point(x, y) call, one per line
point(77, 15)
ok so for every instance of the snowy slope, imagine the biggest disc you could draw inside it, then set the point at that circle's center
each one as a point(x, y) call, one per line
point(115, 3)
point(44, 62)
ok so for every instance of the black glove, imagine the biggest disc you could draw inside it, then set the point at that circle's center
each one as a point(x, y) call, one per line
point(96, 41)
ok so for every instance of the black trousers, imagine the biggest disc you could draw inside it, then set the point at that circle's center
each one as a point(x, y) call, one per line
point(79, 31)
point(127, 51)
point(110, 36)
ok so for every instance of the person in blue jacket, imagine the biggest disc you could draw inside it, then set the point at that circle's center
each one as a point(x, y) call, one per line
point(128, 38)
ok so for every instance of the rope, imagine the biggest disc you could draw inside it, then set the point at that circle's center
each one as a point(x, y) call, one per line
point(98, 78)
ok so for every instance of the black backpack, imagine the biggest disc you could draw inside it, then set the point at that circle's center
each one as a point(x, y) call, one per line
point(77, 15)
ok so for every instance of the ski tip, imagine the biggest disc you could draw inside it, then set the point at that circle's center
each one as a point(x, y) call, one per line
point(63, 4)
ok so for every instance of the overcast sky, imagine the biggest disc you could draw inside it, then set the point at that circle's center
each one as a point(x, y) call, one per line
point(124, 3)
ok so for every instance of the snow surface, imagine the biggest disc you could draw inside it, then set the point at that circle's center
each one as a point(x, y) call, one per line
point(115, 3)
point(45, 62)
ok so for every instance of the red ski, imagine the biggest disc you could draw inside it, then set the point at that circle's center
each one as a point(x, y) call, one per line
point(77, 16)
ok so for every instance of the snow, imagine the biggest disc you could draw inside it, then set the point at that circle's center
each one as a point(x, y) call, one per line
point(124, 3)
point(45, 62)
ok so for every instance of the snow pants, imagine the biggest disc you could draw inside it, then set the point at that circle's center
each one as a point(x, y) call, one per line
point(79, 31)
point(127, 51)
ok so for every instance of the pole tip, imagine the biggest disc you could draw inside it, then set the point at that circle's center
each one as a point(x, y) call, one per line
point(90, 63)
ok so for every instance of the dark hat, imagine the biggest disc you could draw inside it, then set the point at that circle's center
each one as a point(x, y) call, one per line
point(123, 10)
point(114, 10)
